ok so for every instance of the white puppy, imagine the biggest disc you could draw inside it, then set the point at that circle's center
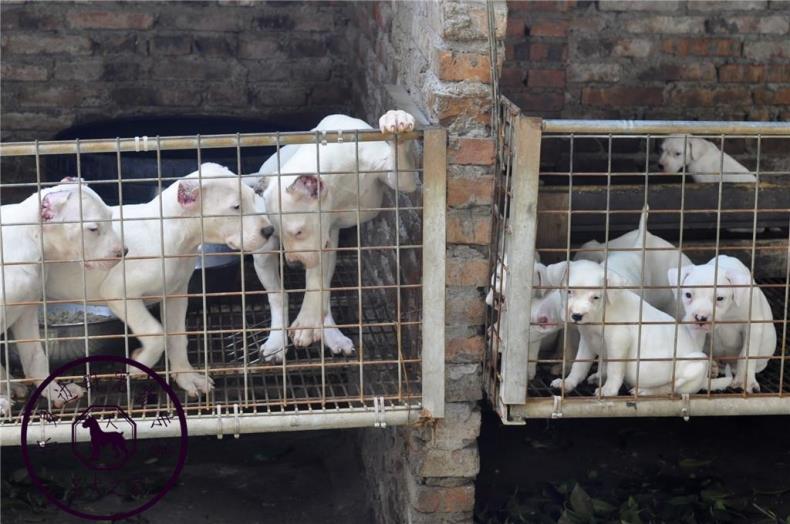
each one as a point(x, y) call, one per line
point(168, 226)
point(627, 351)
point(63, 223)
point(660, 256)
point(754, 336)
point(703, 160)
point(300, 206)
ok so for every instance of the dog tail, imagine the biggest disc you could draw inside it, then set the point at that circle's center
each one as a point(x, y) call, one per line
point(641, 236)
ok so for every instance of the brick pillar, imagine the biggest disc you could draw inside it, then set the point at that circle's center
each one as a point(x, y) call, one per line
point(439, 52)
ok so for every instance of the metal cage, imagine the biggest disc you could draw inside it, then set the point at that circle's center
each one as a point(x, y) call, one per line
point(387, 295)
point(563, 183)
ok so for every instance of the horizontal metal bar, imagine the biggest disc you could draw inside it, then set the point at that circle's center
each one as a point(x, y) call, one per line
point(228, 424)
point(699, 407)
point(113, 145)
point(665, 127)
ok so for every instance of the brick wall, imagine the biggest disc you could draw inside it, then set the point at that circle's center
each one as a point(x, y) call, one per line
point(673, 59)
point(438, 52)
point(66, 63)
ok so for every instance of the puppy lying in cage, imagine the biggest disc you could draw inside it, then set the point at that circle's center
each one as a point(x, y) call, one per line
point(62, 223)
point(310, 194)
point(705, 162)
point(738, 319)
point(210, 205)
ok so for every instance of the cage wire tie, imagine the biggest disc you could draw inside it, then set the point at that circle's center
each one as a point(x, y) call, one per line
point(685, 411)
point(220, 432)
point(42, 442)
point(557, 411)
point(137, 143)
point(340, 138)
point(323, 137)
point(236, 421)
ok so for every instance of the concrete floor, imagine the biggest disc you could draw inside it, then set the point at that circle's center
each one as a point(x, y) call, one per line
point(306, 477)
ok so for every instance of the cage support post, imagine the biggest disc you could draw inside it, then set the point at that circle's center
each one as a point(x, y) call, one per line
point(521, 256)
point(433, 263)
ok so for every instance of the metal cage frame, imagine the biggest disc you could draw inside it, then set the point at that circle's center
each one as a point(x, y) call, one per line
point(521, 200)
point(222, 414)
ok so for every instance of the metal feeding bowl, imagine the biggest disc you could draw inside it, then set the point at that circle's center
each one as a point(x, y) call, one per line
point(66, 328)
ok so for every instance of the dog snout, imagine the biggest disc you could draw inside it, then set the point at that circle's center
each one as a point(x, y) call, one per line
point(543, 320)
point(577, 317)
point(700, 318)
point(295, 264)
point(660, 166)
point(267, 232)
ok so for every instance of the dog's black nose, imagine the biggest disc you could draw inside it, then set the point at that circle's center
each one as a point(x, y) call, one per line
point(125, 251)
point(660, 165)
point(267, 231)
point(577, 317)
point(701, 318)
point(295, 264)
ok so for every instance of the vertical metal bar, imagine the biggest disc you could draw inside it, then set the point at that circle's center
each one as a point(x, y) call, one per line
point(523, 221)
point(434, 271)
point(245, 349)
point(361, 348)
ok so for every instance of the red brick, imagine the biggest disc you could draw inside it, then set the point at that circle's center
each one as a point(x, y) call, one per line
point(467, 272)
point(516, 27)
point(109, 20)
point(546, 78)
point(464, 192)
point(27, 73)
point(741, 73)
point(782, 97)
point(471, 151)
point(464, 66)
point(551, 28)
point(463, 227)
point(512, 75)
point(779, 73)
point(539, 101)
point(701, 46)
point(465, 349)
point(705, 97)
point(672, 72)
point(465, 309)
point(544, 52)
point(33, 44)
point(449, 108)
point(622, 96)
point(437, 499)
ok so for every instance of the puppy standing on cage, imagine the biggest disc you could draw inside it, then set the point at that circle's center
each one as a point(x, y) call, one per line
point(743, 318)
point(62, 223)
point(210, 205)
point(319, 191)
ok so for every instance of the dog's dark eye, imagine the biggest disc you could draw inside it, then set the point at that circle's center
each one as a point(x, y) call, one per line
point(688, 295)
point(719, 299)
point(570, 292)
point(677, 154)
point(93, 229)
point(237, 207)
point(596, 297)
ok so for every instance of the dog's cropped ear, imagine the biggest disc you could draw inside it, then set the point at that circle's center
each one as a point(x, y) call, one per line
point(613, 280)
point(308, 186)
point(556, 274)
point(52, 204)
point(188, 192)
point(697, 147)
point(676, 276)
point(539, 279)
point(739, 277)
point(73, 180)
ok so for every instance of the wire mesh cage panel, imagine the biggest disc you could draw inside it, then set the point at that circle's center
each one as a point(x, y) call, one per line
point(294, 297)
point(658, 285)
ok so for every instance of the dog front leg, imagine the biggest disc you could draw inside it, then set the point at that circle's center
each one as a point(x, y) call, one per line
point(306, 329)
point(145, 327)
point(334, 339)
point(34, 361)
point(617, 349)
point(267, 268)
point(579, 370)
point(746, 370)
point(182, 371)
